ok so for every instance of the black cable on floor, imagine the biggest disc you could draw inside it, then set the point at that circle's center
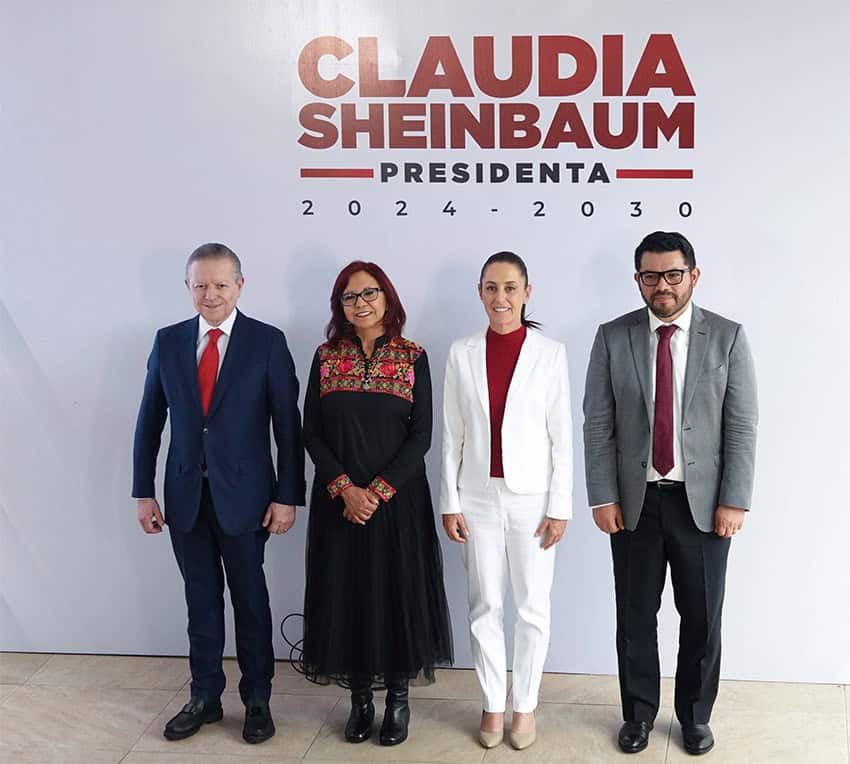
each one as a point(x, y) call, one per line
point(296, 652)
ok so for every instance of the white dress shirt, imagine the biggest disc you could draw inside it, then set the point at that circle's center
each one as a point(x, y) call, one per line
point(226, 327)
point(679, 351)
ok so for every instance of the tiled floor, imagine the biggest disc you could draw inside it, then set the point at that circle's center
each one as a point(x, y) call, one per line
point(94, 709)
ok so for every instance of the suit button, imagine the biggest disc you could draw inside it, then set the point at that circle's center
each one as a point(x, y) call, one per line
point(206, 430)
point(643, 464)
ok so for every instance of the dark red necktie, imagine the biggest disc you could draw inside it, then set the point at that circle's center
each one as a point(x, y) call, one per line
point(662, 432)
point(208, 369)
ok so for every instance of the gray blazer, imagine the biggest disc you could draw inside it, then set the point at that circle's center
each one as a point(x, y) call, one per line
point(719, 416)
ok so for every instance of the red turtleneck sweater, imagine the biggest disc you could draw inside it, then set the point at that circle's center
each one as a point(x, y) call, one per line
point(502, 354)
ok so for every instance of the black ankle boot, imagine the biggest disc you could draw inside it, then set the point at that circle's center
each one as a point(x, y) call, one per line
point(397, 714)
point(359, 725)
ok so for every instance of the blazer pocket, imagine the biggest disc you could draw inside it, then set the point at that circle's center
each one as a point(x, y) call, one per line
point(178, 471)
point(231, 468)
point(713, 374)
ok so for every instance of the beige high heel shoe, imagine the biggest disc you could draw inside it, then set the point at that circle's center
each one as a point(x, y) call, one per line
point(491, 738)
point(523, 740)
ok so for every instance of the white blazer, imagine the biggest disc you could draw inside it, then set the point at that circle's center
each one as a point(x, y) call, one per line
point(536, 430)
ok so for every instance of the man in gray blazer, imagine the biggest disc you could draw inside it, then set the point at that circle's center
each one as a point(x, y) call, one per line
point(669, 433)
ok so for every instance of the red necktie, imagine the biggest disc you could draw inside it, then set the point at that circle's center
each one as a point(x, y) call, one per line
point(662, 432)
point(208, 369)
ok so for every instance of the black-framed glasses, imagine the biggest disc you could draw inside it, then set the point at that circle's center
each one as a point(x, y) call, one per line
point(369, 294)
point(672, 277)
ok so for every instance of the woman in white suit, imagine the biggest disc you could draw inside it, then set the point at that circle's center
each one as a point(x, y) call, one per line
point(506, 487)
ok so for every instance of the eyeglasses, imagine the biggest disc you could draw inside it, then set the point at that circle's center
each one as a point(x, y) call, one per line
point(672, 277)
point(369, 294)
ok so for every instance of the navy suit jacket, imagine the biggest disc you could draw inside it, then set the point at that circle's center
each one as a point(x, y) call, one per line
point(256, 385)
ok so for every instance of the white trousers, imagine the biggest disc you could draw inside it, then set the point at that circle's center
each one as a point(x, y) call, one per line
point(501, 547)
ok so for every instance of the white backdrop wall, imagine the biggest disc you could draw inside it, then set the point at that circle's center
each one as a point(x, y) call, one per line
point(132, 132)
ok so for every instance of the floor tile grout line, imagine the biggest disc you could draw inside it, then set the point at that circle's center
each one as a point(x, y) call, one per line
point(120, 688)
point(319, 731)
point(847, 719)
point(483, 754)
point(16, 688)
point(50, 657)
point(98, 689)
point(669, 738)
point(152, 722)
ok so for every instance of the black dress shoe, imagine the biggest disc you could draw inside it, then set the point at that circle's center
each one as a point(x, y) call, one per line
point(359, 725)
point(259, 725)
point(192, 717)
point(396, 715)
point(634, 736)
point(697, 738)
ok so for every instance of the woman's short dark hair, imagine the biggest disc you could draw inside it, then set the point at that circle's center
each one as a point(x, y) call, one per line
point(339, 328)
point(512, 259)
point(666, 241)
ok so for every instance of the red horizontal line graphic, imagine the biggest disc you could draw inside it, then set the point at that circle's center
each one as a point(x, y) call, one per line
point(637, 174)
point(339, 172)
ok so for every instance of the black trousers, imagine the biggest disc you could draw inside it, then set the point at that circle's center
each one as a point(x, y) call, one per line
point(666, 533)
point(200, 554)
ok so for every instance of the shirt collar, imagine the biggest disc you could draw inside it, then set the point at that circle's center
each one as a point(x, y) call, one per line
point(683, 321)
point(226, 326)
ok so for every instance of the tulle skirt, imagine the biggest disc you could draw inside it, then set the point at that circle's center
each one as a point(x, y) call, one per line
point(375, 606)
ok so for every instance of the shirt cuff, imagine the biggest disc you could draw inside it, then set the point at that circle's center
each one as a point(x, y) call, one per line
point(382, 489)
point(607, 504)
point(338, 485)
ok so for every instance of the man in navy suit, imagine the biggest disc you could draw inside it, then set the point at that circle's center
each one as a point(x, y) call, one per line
point(222, 377)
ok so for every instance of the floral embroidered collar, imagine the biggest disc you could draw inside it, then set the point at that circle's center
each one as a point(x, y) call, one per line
point(344, 368)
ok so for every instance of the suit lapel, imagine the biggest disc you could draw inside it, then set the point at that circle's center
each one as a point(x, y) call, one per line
point(478, 363)
point(697, 347)
point(236, 349)
point(524, 365)
point(188, 359)
point(639, 340)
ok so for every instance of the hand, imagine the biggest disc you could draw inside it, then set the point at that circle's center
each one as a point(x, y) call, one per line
point(550, 530)
point(728, 520)
point(455, 527)
point(150, 518)
point(360, 504)
point(279, 518)
point(609, 518)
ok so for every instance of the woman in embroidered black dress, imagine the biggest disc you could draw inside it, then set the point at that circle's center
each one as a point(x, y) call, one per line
point(375, 612)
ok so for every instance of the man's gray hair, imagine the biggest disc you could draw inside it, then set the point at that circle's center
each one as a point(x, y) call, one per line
point(214, 251)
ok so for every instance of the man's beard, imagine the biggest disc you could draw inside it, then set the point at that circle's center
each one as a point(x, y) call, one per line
point(671, 309)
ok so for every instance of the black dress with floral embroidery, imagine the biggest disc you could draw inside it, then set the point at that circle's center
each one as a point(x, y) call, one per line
point(374, 604)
